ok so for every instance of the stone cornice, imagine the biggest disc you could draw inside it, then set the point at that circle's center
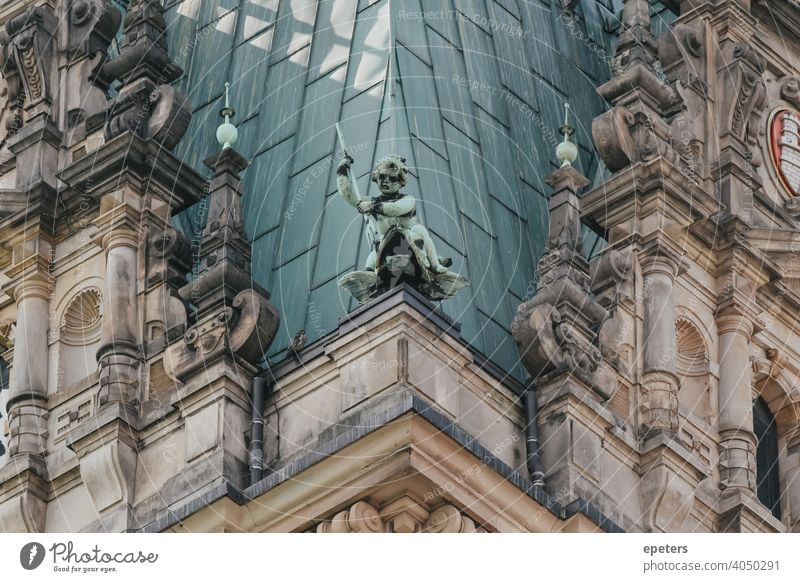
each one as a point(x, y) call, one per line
point(29, 273)
point(785, 16)
point(643, 189)
point(406, 437)
point(143, 163)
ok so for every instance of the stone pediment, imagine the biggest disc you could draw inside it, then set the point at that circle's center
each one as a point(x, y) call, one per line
point(407, 475)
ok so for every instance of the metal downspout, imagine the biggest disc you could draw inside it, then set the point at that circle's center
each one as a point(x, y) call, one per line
point(532, 457)
point(260, 388)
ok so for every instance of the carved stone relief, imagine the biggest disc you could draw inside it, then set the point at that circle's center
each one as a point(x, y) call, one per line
point(401, 516)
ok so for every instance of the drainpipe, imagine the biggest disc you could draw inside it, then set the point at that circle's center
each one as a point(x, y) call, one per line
point(532, 458)
point(260, 388)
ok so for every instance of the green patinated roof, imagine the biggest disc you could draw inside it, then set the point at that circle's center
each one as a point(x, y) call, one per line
point(474, 101)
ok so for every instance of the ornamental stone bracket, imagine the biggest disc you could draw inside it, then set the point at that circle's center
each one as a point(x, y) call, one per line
point(24, 490)
point(93, 25)
point(670, 476)
point(107, 454)
point(28, 53)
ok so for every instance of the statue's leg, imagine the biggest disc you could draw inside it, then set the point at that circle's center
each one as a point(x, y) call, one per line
point(430, 249)
point(372, 261)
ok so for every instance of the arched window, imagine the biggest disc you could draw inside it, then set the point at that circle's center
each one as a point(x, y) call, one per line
point(767, 476)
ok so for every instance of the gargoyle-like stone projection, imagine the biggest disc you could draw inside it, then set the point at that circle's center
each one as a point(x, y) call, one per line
point(402, 249)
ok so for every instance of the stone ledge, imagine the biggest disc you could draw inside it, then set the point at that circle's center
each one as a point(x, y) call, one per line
point(410, 404)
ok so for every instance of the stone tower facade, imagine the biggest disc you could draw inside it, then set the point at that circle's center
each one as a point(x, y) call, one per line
point(661, 372)
point(648, 361)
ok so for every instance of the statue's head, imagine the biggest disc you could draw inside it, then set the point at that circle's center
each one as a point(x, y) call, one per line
point(390, 174)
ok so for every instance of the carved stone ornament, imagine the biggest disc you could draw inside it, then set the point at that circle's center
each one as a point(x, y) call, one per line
point(401, 516)
point(549, 343)
point(784, 147)
point(93, 26)
point(246, 329)
point(624, 138)
point(402, 250)
point(81, 321)
point(10, 110)
point(7, 332)
point(147, 105)
point(27, 49)
point(749, 96)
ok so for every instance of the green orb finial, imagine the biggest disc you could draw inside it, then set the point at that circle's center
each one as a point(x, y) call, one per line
point(227, 134)
point(566, 152)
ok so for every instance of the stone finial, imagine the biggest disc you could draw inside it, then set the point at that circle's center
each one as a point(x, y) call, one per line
point(636, 42)
point(636, 128)
point(566, 152)
point(636, 13)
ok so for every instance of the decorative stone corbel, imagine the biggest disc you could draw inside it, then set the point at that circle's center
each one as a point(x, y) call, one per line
point(610, 273)
point(746, 94)
point(11, 101)
point(360, 518)
point(612, 283)
point(612, 136)
point(170, 115)
point(624, 138)
point(169, 257)
point(93, 25)
point(681, 51)
point(448, 519)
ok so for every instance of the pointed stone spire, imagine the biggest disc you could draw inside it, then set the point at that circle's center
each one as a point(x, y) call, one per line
point(225, 251)
point(233, 314)
point(554, 330)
